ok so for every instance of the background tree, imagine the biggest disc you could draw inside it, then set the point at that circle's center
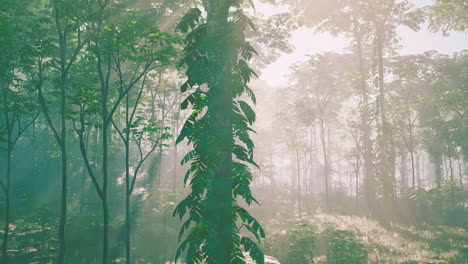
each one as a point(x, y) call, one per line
point(146, 135)
point(446, 15)
point(124, 47)
point(17, 108)
point(68, 40)
point(319, 79)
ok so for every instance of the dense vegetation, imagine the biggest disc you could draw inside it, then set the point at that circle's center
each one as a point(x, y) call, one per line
point(127, 133)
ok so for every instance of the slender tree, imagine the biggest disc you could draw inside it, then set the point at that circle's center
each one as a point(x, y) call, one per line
point(123, 48)
point(146, 135)
point(17, 105)
point(17, 117)
point(69, 40)
point(319, 79)
point(385, 16)
point(351, 19)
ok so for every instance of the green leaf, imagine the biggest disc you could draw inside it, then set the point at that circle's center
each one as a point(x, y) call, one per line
point(185, 87)
point(240, 18)
point(247, 51)
point(189, 20)
point(248, 112)
point(254, 250)
point(188, 157)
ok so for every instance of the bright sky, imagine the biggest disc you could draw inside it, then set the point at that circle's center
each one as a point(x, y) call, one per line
point(306, 42)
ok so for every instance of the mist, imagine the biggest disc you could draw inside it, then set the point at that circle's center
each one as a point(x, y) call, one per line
point(218, 131)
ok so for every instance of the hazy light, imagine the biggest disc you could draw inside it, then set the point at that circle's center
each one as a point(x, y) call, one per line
point(306, 42)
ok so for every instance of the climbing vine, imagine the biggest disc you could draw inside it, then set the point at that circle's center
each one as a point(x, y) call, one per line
point(216, 61)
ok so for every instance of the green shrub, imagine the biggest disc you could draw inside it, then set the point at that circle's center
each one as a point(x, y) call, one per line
point(345, 248)
point(301, 244)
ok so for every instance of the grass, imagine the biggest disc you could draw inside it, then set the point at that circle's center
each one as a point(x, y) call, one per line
point(389, 243)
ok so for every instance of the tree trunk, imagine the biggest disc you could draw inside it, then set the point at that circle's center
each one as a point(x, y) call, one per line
point(63, 204)
point(306, 182)
point(325, 159)
point(298, 175)
point(6, 228)
point(105, 212)
point(35, 165)
point(358, 165)
point(128, 191)
point(404, 179)
point(410, 126)
point(127, 197)
point(314, 154)
point(159, 178)
point(369, 180)
point(350, 174)
point(386, 146)
point(176, 164)
point(438, 172)
point(450, 161)
point(460, 170)
point(63, 146)
point(418, 170)
point(219, 197)
point(164, 239)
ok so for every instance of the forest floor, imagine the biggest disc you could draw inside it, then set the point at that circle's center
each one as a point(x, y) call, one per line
point(385, 243)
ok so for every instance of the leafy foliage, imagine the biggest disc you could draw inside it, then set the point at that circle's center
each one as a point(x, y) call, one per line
point(345, 248)
point(447, 15)
point(301, 245)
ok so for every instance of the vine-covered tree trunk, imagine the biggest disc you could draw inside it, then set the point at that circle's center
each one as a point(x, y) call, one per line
point(218, 129)
point(219, 97)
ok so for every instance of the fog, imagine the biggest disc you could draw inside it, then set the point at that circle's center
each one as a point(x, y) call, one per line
point(217, 131)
